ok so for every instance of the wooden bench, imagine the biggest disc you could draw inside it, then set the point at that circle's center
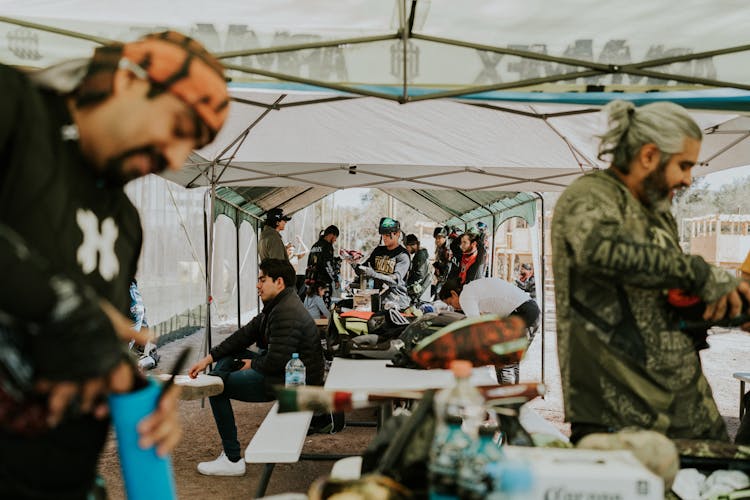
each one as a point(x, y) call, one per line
point(279, 439)
point(742, 377)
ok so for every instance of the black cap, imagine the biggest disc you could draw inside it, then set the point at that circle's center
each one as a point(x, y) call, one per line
point(388, 225)
point(276, 215)
point(526, 266)
point(439, 231)
point(411, 239)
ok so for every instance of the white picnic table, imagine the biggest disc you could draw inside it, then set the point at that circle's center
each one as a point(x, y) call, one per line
point(375, 375)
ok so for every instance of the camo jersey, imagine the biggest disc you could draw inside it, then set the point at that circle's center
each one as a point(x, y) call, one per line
point(622, 361)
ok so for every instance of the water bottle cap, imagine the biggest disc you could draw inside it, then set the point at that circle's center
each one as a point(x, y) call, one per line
point(461, 368)
point(295, 355)
point(454, 420)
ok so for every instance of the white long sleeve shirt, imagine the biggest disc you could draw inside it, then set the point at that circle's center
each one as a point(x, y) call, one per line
point(491, 296)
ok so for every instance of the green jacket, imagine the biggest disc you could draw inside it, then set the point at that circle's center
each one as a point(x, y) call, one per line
point(622, 360)
point(270, 245)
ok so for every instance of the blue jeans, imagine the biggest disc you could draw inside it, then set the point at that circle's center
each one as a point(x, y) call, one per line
point(242, 385)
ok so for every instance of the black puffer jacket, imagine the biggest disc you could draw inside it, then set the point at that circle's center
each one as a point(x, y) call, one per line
point(283, 327)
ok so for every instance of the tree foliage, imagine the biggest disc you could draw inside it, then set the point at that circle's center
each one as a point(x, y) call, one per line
point(700, 200)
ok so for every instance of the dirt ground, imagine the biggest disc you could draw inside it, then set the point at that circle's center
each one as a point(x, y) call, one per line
point(729, 353)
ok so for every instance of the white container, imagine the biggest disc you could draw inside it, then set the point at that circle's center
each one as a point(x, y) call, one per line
point(564, 474)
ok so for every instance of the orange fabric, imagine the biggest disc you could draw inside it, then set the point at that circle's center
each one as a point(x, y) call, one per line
point(357, 314)
point(467, 260)
point(745, 267)
point(173, 63)
point(202, 87)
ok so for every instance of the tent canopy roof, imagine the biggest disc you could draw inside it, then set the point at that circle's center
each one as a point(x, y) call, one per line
point(454, 48)
point(409, 51)
point(445, 207)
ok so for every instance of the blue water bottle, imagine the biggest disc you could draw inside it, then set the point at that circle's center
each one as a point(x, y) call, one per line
point(474, 483)
point(146, 475)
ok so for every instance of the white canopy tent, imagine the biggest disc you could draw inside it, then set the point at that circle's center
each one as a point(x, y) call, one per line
point(310, 141)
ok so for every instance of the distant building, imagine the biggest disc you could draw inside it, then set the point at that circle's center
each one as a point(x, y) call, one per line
point(722, 239)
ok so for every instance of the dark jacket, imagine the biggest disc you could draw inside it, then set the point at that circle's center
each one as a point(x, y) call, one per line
point(320, 264)
point(475, 270)
point(270, 245)
point(59, 257)
point(420, 276)
point(282, 328)
point(442, 262)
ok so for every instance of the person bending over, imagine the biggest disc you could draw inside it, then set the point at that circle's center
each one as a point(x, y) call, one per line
point(494, 296)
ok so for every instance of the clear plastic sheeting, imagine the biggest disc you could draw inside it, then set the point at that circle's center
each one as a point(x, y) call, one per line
point(248, 272)
point(171, 269)
point(224, 273)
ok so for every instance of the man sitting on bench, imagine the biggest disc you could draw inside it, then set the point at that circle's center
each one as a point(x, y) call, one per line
point(282, 328)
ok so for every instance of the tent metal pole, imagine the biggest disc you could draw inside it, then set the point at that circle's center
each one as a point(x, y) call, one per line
point(478, 89)
point(542, 258)
point(209, 266)
point(239, 283)
point(492, 257)
point(404, 55)
point(257, 242)
point(321, 83)
point(58, 31)
point(526, 54)
point(305, 46)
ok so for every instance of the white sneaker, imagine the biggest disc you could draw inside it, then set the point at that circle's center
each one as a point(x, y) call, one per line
point(222, 466)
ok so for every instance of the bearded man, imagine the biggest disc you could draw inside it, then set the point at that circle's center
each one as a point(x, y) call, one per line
point(70, 137)
point(624, 362)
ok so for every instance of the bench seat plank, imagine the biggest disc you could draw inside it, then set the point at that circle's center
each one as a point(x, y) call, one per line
point(280, 437)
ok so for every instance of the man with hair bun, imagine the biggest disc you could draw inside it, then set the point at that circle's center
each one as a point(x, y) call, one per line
point(623, 361)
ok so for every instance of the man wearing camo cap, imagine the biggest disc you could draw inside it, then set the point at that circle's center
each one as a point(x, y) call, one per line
point(71, 136)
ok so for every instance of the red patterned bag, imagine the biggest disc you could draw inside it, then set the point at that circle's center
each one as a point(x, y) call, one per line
point(484, 340)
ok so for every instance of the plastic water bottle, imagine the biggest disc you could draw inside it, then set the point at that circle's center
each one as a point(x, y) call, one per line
point(474, 483)
point(446, 454)
point(295, 373)
point(463, 400)
point(458, 411)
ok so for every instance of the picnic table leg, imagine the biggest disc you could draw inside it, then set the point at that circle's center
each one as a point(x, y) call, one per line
point(742, 396)
point(264, 478)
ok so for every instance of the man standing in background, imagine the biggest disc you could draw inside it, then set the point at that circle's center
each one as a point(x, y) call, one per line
point(443, 257)
point(270, 244)
point(419, 277)
point(321, 266)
